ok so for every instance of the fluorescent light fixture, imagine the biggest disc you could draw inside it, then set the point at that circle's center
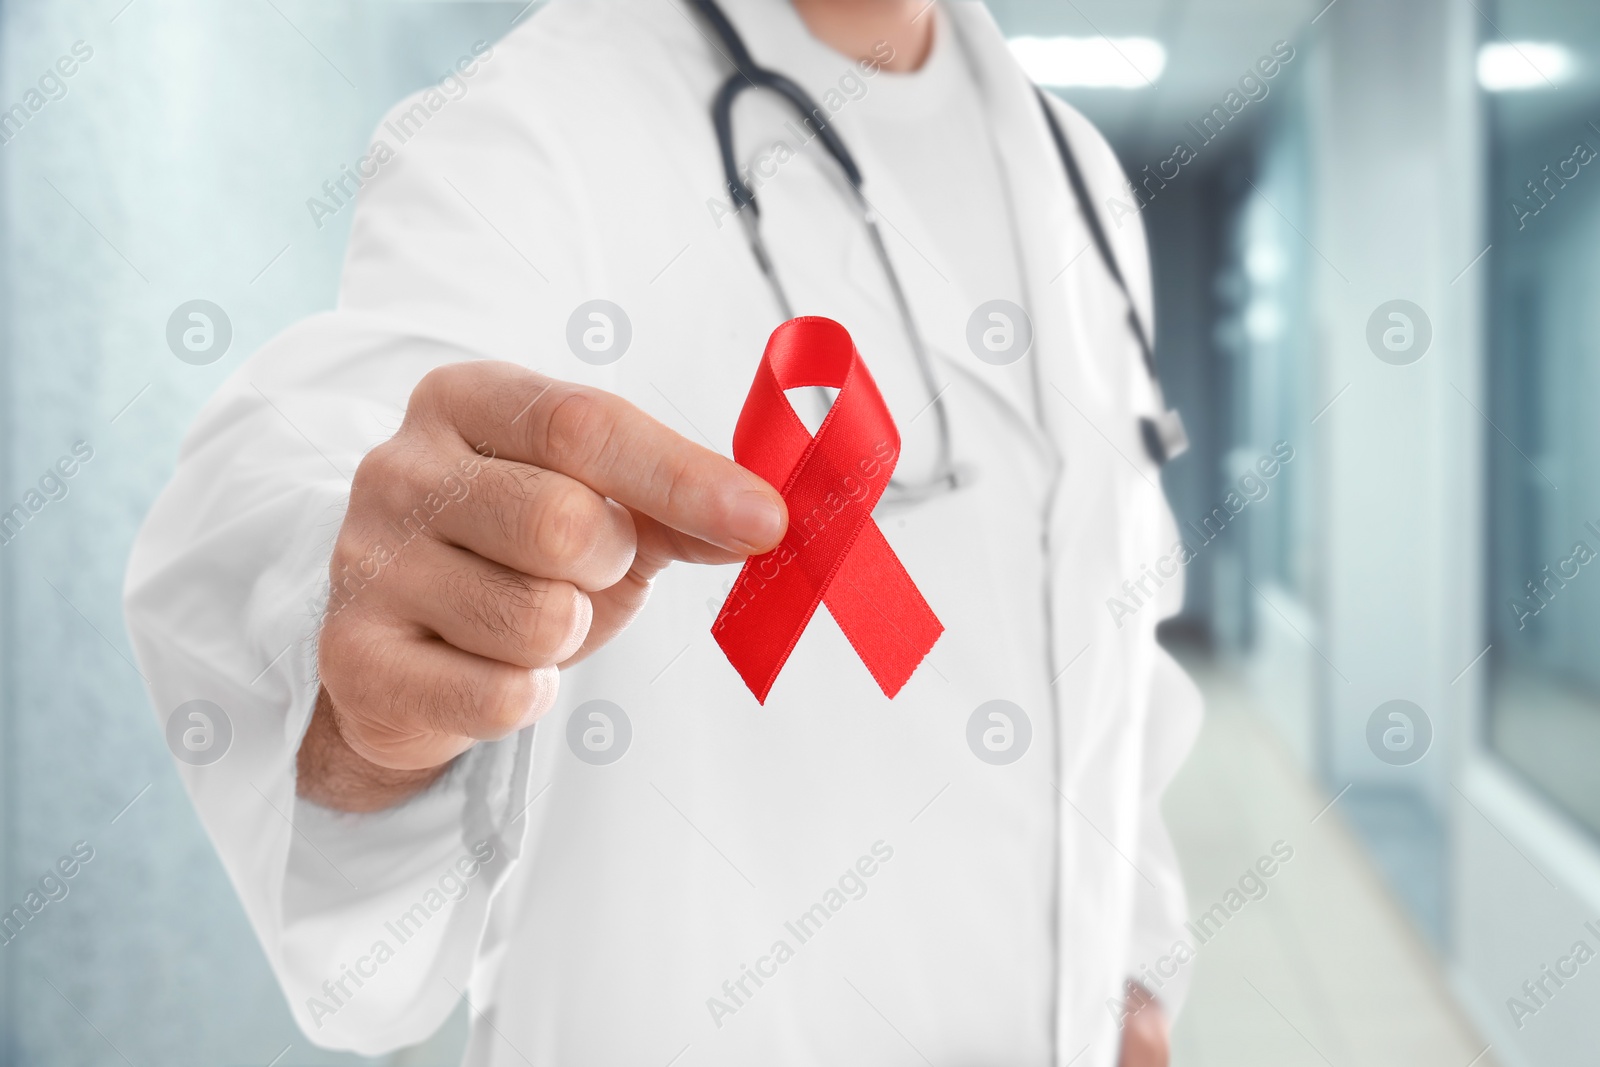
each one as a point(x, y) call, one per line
point(1263, 262)
point(1262, 321)
point(1091, 62)
point(1510, 65)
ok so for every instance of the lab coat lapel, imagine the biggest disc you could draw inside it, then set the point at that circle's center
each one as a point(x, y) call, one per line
point(1050, 232)
point(1107, 518)
point(1089, 367)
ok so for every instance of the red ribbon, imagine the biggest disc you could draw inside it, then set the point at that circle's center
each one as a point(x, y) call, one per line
point(833, 552)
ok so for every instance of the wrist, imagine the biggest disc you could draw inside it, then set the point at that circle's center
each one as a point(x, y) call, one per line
point(331, 773)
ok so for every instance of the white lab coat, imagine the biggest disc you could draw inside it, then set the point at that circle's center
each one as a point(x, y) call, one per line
point(618, 899)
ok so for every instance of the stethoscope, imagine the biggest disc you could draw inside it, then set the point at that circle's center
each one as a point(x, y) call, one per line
point(1163, 435)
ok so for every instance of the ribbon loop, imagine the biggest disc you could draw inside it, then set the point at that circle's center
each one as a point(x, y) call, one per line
point(833, 552)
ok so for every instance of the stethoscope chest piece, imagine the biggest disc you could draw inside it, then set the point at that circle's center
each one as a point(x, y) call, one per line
point(1164, 436)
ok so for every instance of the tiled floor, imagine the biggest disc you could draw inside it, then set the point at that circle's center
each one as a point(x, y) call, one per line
point(1325, 969)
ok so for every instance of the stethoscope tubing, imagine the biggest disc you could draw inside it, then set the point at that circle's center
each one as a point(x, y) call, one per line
point(1163, 436)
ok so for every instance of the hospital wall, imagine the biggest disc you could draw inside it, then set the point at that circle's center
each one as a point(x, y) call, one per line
point(176, 166)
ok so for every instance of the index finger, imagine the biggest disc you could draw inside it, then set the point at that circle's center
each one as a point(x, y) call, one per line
point(609, 445)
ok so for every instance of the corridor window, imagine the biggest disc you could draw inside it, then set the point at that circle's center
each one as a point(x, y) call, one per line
point(1544, 463)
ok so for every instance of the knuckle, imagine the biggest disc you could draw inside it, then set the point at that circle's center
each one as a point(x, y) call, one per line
point(374, 474)
point(480, 600)
point(675, 477)
point(577, 425)
point(506, 701)
point(425, 394)
point(346, 555)
point(511, 502)
point(528, 617)
point(353, 566)
point(564, 529)
point(347, 659)
point(523, 612)
point(443, 394)
point(386, 479)
point(566, 617)
point(452, 700)
point(547, 617)
point(434, 387)
point(614, 552)
point(334, 647)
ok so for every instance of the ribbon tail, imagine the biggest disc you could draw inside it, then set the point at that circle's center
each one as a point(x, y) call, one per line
point(759, 627)
point(881, 611)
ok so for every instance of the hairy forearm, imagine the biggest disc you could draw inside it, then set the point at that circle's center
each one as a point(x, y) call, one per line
point(332, 774)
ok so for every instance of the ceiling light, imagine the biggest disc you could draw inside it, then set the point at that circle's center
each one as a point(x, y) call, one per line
point(1091, 62)
point(1263, 262)
point(1511, 65)
point(1263, 322)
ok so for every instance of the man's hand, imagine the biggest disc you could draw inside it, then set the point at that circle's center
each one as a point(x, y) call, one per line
point(512, 526)
point(1144, 1030)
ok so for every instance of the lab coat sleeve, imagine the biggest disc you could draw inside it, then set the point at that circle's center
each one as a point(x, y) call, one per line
point(1173, 710)
point(1171, 722)
point(373, 924)
point(222, 601)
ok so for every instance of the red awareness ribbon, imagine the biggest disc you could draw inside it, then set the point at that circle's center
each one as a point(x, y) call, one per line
point(833, 552)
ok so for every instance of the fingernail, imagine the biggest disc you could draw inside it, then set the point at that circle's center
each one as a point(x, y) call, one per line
point(756, 521)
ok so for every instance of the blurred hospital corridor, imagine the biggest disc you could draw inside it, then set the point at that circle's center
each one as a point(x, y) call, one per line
point(1325, 966)
point(1374, 253)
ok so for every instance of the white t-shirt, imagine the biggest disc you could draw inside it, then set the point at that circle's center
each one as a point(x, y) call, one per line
point(927, 127)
